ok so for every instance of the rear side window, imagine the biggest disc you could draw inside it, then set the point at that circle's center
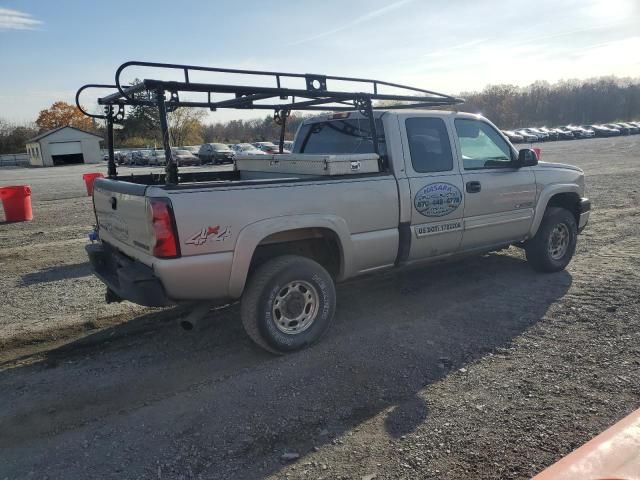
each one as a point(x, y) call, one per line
point(429, 145)
point(339, 137)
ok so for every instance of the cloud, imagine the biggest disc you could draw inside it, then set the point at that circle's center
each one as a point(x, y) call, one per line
point(356, 21)
point(16, 20)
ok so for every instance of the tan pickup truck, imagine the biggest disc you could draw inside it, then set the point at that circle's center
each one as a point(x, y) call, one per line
point(279, 241)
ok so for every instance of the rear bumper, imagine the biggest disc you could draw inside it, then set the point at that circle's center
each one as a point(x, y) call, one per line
point(584, 209)
point(128, 279)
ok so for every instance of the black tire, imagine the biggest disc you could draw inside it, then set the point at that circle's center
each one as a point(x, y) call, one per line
point(266, 287)
point(540, 249)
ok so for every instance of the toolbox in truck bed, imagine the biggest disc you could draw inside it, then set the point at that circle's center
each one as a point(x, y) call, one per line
point(309, 164)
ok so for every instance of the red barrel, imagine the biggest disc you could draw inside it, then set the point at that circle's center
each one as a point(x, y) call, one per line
point(16, 200)
point(89, 178)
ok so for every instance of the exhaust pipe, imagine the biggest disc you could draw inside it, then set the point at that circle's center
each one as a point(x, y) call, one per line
point(192, 320)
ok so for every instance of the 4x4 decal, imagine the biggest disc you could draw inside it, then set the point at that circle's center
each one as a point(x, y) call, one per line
point(206, 233)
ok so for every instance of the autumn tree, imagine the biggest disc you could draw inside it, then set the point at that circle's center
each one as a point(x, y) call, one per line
point(61, 114)
point(185, 126)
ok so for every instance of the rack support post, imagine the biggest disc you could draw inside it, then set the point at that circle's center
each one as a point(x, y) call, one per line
point(171, 168)
point(374, 132)
point(283, 115)
point(112, 171)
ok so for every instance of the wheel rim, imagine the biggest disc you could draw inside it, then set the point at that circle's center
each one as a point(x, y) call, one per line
point(558, 241)
point(295, 307)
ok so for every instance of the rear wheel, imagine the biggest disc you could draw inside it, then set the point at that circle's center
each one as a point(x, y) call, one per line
point(289, 303)
point(552, 248)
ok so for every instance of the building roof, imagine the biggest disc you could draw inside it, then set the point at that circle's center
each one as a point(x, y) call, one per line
point(37, 138)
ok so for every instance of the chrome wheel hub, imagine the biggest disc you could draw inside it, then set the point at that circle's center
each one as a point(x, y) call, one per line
point(295, 307)
point(558, 241)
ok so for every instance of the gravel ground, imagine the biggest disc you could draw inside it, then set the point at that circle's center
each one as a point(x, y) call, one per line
point(479, 369)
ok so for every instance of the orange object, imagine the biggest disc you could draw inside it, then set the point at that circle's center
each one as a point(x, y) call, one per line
point(16, 201)
point(537, 150)
point(89, 178)
point(612, 455)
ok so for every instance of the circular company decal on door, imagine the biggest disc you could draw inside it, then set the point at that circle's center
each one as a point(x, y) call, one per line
point(437, 199)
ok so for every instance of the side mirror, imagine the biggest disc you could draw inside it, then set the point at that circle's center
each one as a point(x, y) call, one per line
point(527, 158)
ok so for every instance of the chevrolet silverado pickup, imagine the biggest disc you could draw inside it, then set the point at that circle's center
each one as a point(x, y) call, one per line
point(361, 192)
point(455, 185)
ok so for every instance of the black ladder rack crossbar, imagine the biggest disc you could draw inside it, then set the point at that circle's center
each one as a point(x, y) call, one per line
point(315, 97)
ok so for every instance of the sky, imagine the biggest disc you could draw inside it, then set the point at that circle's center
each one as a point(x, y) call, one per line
point(49, 48)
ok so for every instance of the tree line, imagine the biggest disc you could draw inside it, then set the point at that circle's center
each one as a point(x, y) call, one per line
point(598, 100)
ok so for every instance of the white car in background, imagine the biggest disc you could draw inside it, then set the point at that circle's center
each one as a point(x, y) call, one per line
point(269, 148)
point(247, 149)
point(192, 148)
point(157, 157)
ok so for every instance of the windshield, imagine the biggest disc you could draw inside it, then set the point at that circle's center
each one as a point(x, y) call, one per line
point(219, 146)
point(339, 136)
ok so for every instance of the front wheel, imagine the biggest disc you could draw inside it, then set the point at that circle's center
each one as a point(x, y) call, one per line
point(289, 304)
point(553, 246)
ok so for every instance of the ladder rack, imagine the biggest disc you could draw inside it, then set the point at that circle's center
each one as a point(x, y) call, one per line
point(313, 92)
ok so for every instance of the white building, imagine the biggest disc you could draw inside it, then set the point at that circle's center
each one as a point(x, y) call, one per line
point(64, 146)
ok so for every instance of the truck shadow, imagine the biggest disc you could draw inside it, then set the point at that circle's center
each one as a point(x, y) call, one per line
point(53, 274)
point(230, 410)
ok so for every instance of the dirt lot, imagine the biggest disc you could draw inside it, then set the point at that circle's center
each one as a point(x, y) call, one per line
point(480, 369)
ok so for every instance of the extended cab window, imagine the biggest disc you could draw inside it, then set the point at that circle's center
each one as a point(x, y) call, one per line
point(481, 146)
point(339, 136)
point(429, 145)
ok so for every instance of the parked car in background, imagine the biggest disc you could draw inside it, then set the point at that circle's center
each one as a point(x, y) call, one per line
point(185, 158)
point(247, 149)
point(633, 129)
point(563, 133)
point(579, 132)
point(158, 157)
point(119, 156)
point(215, 153)
point(195, 149)
point(603, 131)
point(528, 137)
point(513, 136)
point(127, 158)
point(542, 136)
point(288, 145)
point(553, 134)
point(141, 157)
point(635, 124)
point(269, 147)
point(618, 126)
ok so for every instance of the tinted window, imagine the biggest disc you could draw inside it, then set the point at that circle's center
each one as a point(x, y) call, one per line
point(429, 145)
point(481, 146)
point(339, 136)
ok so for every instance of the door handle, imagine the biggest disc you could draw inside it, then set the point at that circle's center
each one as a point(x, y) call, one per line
point(473, 187)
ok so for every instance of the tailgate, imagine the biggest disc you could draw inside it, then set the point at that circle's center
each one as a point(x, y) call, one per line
point(122, 217)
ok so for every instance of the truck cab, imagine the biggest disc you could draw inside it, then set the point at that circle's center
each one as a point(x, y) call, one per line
point(463, 186)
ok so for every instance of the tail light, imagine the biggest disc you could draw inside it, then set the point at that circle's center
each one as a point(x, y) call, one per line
point(164, 229)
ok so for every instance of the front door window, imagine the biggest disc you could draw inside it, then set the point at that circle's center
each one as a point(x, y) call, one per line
point(481, 146)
